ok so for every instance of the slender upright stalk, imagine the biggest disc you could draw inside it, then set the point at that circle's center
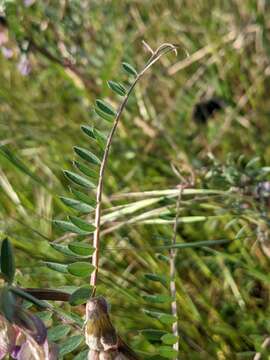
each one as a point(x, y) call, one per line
point(265, 344)
point(163, 49)
point(173, 272)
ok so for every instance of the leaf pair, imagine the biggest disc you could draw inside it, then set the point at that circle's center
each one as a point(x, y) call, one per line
point(103, 108)
point(75, 225)
point(78, 268)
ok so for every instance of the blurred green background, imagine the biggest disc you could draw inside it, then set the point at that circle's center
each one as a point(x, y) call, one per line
point(55, 60)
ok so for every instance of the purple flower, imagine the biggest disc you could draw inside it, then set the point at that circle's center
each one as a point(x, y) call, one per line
point(8, 335)
point(28, 3)
point(24, 66)
point(30, 350)
point(7, 53)
point(26, 338)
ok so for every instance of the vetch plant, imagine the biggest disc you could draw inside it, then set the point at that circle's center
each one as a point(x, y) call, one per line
point(99, 349)
point(27, 338)
point(81, 248)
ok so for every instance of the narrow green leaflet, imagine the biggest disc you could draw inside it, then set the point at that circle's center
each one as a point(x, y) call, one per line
point(95, 135)
point(183, 220)
point(81, 295)
point(152, 334)
point(81, 249)
point(105, 107)
point(101, 138)
point(82, 224)
point(70, 316)
point(86, 170)
point(80, 269)
point(70, 344)
point(196, 244)
point(7, 261)
point(253, 161)
point(162, 257)
point(89, 131)
point(19, 164)
point(7, 304)
point(117, 88)
point(104, 115)
point(58, 332)
point(63, 249)
point(157, 299)
point(28, 297)
point(83, 197)
point(169, 339)
point(158, 278)
point(129, 69)
point(166, 319)
point(82, 355)
point(79, 180)
point(167, 352)
point(67, 226)
point(62, 268)
point(86, 155)
point(77, 205)
point(44, 315)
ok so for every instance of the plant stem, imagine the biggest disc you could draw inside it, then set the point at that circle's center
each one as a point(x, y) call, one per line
point(163, 49)
point(96, 239)
point(264, 345)
point(173, 272)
